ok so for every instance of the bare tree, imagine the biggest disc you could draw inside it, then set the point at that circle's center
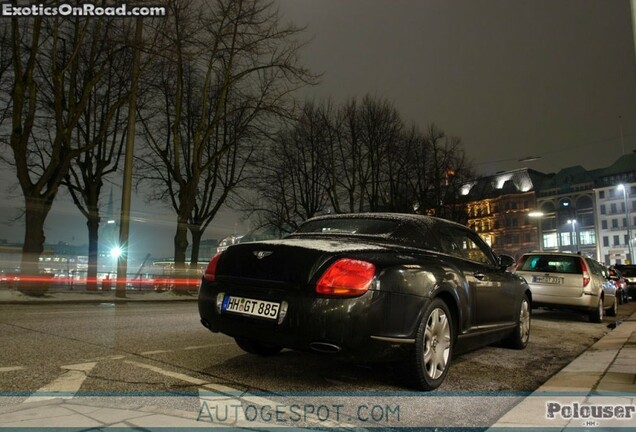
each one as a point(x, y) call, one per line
point(101, 129)
point(442, 169)
point(360, 157)
point(225, 55)
point(291, 181)
point(50, 91)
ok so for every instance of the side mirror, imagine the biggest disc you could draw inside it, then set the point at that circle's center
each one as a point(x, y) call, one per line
point(506, 261)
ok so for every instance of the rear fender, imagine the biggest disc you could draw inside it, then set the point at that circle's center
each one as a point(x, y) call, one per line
point(427, 283)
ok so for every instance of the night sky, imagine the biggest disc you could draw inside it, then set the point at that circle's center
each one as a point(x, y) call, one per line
point(511, 78)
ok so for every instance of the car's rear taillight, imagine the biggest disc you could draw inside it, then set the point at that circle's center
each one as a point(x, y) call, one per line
point(346, 278)
point(210, 271)
point(586, 274)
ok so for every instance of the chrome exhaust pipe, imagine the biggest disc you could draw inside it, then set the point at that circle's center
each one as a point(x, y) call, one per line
point(325, 347)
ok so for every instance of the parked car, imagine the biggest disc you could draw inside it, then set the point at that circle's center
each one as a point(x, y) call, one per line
point(629, 273)
point(621, 285)
point(254, 235)
point(568, 281)
point(369, 287)
point(227, 242)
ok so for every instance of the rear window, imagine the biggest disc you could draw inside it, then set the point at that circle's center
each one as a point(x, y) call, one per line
point(551, 264)
point(349, 226)
point(629, 271)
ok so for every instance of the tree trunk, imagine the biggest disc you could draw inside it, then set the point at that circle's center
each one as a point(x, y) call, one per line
point(196, 233)
point(93, 241)
point(36, 211)
point(180, 246)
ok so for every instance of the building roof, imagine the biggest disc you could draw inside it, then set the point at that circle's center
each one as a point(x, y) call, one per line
point(623, 165)
point(567, 178)
point(504, 183)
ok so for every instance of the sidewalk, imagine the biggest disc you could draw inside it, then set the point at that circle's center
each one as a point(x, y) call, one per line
point(603, 376)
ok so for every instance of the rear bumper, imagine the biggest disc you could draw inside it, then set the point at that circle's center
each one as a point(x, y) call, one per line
point(584, 302)
point(375, 326)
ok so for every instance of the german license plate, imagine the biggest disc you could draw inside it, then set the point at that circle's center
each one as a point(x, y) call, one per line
point(251, 307)
point(548, 279)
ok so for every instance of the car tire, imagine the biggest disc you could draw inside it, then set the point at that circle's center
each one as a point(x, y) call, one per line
point(430, 362)
point(596, 315)
point(521, 334)
point(255, 347)
point(613, 310)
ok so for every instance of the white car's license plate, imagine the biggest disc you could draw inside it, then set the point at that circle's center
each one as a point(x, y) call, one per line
point(548, 279)
point(251, 307)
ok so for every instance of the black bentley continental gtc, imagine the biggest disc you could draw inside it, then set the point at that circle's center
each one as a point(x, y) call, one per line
point(373, 286)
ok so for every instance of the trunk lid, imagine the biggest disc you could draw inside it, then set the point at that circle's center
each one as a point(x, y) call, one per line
point(289, 263)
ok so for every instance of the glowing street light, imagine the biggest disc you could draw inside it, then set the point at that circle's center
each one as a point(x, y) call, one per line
point(622, 188)
point(573, 235)
point(115, 252)
point(538, 215)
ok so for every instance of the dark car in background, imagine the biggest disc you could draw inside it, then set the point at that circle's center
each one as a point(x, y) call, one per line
point(616, 276)
point(629, 273)
point(369, 287)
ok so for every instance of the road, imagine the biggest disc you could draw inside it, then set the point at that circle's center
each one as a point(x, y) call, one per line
point(156, 349)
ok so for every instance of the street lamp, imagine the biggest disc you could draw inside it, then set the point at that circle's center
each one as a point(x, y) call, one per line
point(573, 235)
point(621, 187)
point(538, 215)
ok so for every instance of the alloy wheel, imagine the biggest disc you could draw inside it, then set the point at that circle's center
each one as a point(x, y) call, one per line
point(437, 343)
point(524, 321)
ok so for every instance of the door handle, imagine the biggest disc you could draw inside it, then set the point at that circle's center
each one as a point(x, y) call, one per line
point(479, 275)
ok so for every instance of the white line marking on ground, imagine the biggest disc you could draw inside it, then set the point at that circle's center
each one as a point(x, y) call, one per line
point(69, 382)
point(11, 368)
point(226, 398)
point(168, 373)
point(153, 352)
point(190, 348)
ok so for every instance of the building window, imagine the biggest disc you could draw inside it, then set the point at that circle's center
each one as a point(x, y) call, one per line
point(605, 241)
point(601, 194)
point(550, 240)
point(613, 208)
point(611, 193)
point(616, 241)
point(586, 219)
point(565, 239)
point(633, 190)
point(587, 237)
point(604, 224)
point(603, 209)
point(614, 223)
point(626, 239)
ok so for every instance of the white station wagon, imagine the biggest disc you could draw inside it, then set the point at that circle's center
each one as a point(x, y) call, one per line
point(568, 281)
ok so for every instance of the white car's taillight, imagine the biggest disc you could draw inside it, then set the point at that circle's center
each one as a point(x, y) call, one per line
point(586, 273)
